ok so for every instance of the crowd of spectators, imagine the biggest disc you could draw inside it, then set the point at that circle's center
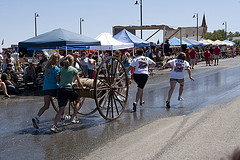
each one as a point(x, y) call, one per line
point(18, 71)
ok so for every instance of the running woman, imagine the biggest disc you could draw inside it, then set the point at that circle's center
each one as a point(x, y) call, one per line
point(65, 91)
point(177, 75)
point(140, 74)
point(50, 85)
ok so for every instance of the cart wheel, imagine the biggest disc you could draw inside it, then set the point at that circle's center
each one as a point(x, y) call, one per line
point(54, 103)
point(112, 94)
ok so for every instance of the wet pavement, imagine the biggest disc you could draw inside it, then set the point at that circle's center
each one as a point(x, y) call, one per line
point(19, 140)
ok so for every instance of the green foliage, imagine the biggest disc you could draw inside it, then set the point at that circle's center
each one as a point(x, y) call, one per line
point(220, 35)
point(216, 35)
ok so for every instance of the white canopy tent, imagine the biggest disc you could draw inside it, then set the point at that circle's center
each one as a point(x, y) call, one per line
point(206, 42)
point(110, 43)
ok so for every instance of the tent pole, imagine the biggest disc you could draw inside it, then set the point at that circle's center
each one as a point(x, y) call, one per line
point(98, 56)
point(164, 30)
point(66, 50)
point(133, 51)
point(180, 39)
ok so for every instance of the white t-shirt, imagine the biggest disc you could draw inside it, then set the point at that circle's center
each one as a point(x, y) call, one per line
point(91, 66)
point(15, 55)
point(1, 57)
point(84, 61)
point(141, 63)
point(179, 67)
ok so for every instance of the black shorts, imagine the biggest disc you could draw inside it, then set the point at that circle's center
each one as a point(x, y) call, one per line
point(140, 79)
point(178, 80)
point(50, 92)
point(64, 94)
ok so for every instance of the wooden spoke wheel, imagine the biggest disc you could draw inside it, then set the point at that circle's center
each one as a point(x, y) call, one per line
point(54, 103)
point(112, 94)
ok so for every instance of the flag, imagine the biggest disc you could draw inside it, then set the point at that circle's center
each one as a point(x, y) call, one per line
point(2, 41)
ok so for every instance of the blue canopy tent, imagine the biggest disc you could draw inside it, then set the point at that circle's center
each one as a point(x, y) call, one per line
point(176, 42)
point(193, 42)
point(127, 37)
point(229, 42)
point(58, 38)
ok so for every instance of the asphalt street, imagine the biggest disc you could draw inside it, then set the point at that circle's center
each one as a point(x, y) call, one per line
point(153, 130)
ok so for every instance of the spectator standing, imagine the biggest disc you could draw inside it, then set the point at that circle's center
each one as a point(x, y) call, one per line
point(15, 56)
point(187, 52)
point(84, 62)
point(216, 53)
point(192, 56)
point(1, 61)
point(212, 55)
point(91, 66)
point(207, 57)
point(148, 51)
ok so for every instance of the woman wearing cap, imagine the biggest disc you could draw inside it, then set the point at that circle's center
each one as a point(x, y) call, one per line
point(140, 74)
point(177, 75)
point(50, 85)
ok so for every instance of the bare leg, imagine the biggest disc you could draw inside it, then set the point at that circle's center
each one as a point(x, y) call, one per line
point(217, 61)
point(4, 88)
point(58, 115)
point(181, 89)
point(138, 94)
point(47, 99)
point(172, 87)
point(76, 109)
point(129, 83)
point(141, 97)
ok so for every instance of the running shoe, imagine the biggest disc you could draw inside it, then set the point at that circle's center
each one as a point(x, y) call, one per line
point(180, 98)
point(75, 120)
point(54, 129)
point(65, 117)
point(134, 107)
point(141, 103)
point(122, 99)
point(168, 104)
point(35, 122)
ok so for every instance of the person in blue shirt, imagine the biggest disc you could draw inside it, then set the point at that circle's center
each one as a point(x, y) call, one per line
point(127, 61)
point(50, 85)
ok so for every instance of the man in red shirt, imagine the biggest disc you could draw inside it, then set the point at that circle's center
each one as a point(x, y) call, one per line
point(192, 56)
point(207, 57)
point(216, 53)
point(187, 52)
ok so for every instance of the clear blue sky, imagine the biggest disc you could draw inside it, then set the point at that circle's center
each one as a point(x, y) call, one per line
point(17, 16)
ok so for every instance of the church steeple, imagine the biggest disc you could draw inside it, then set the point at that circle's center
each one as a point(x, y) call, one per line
point(204, 24)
